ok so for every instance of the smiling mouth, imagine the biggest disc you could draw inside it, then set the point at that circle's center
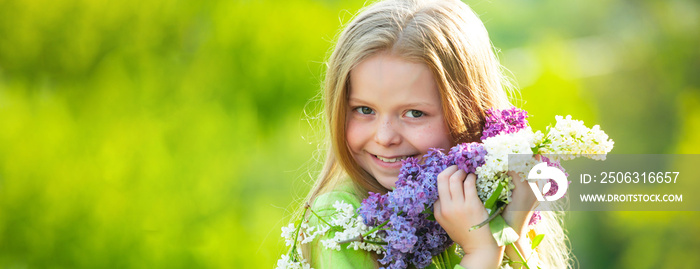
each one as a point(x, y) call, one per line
point(392, 160)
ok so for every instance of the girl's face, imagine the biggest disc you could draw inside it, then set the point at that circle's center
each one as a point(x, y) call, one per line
point(395, 113)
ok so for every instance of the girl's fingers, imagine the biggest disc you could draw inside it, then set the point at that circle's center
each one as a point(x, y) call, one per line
point(436, 211)
point(522, 195)
point(456, 189)
point(470, 193)
point(443, 182)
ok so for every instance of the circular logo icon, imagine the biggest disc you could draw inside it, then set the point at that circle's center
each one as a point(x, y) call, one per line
point(542, 172)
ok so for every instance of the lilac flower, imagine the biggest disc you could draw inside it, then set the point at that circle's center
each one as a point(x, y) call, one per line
point(429, 181)
point(436, 159)
point(535, 218)
point(399, 264)
point(402, 237)
point(411, 167)
point(468, 156)
point(374, 209)
point(410, 198)
point(421, 258)
point(504, 121)
point(432, 237)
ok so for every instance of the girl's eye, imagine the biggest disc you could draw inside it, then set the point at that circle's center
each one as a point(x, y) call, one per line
point(364, 110)
point(414, 113)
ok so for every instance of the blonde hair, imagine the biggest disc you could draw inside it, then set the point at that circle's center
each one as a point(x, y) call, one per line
point(449, 38)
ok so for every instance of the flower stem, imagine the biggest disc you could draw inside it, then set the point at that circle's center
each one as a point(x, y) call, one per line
point(376, 228)
point(376, 242)
point(439, 262)
point(520, 255)
point(361, 237)
point(292, 252)
point(322, 220)
point(446, 258)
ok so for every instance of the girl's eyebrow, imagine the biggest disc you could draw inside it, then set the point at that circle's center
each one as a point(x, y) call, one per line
point(355, 100)
point(415, 104)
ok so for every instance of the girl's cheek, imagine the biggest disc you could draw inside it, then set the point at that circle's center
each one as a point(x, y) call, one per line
point(355, 133)
point(433, 136)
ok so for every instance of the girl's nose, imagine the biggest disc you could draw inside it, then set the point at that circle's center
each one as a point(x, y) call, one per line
point(387, 134)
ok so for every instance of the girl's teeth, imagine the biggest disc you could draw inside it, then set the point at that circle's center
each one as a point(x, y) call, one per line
point(392, 160)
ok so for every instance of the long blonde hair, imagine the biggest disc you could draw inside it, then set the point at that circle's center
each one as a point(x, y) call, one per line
point(449, 38)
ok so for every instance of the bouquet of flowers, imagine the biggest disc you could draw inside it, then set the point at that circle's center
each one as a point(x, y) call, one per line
point(400, 224)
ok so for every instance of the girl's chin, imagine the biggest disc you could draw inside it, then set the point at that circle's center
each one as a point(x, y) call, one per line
point(388, 182)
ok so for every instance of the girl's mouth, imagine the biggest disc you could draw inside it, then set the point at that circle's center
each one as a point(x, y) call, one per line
point(391, 160)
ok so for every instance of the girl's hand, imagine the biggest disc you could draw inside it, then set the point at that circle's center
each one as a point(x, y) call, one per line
point(517, 213)
point(457, 209)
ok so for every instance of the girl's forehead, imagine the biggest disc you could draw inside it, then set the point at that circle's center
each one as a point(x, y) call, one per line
point(393, 81)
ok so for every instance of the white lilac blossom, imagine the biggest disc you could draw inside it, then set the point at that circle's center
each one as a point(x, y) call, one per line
point(351, 226)
point(346, 224)
point(288, 234)
point(518, 146)
point(304, 234)
point(285, 262)
point(571, 138)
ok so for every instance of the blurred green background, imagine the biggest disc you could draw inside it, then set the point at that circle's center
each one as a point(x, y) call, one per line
point(178, 134)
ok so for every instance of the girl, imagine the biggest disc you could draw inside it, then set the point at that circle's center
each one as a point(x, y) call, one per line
point(404, 77)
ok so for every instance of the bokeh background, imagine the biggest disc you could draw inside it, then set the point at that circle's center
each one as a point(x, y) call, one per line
point(180, 134)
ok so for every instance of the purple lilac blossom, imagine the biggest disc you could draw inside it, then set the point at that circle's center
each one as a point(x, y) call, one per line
point(374, 209)
point(402, 237)
point(468, 156)
point(410, 199)
point(535, 218)
point(504, 121)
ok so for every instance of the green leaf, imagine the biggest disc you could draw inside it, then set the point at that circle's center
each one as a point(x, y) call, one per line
point(494, 196)
point(430, 214)
point(503, 233)
point(537, 240)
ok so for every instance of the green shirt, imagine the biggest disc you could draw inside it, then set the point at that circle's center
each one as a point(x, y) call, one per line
point(347, 258)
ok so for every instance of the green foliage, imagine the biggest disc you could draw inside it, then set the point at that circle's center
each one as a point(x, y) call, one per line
point(490, 203)
point(173, 134)
point(537, 240)
point(503, 233)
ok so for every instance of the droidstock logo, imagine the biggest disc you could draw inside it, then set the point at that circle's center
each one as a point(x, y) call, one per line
point(541, 172)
